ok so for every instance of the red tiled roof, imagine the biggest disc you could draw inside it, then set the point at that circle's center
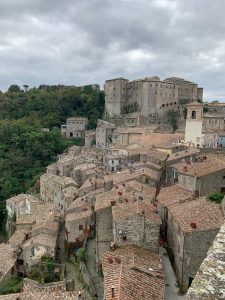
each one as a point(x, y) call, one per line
point(203, 168)
point(173, 194)
point(134, 273)
point(206, 214)
point(127, 210)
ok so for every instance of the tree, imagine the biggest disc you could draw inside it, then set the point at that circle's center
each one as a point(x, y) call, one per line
point(172, 117)
point(14, 88)
point(25, 86)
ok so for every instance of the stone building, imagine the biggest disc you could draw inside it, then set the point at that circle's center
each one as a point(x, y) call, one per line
point(136, 223)
point(43, 242)
point(75, 127)
point(209, 281)
point(104, 133)
point(195, 133)
point(82, 172)
point(187, 155)
point(171, 195)
point(150, 96)
point(197, 176)
point(132, 273)
point(78, 221)
point(221, 140)
point(187, 91)
point(192, 227)
point(52, 188)
point(216, 107)
point(126, 136)
point(213, 123)
point(20, 208)
point(90, 138)
point(135, 120)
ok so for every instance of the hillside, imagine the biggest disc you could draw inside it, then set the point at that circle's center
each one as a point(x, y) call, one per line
point(25, 148)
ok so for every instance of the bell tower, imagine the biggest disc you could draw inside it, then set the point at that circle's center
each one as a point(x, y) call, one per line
point(194, 121)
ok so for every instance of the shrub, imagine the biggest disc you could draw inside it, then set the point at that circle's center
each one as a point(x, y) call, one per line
point(216, 197)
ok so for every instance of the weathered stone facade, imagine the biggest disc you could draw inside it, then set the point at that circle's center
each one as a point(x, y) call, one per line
point(197, 176)
point(150, 96)
point(209, 283)
point(104, 132)
point(75, 127)
point(192, 227)
point(136, 224)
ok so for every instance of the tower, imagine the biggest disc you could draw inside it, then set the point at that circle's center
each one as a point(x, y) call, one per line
point(194, 121)
point(115, 96)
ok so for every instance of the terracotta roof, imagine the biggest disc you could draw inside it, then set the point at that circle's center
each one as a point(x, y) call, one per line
point(70, 191)
point(104, 199)
point(203, 168)
point(18, 238)
point(134, 273)
point(183, 154)
point(173, 194)
point(151, 173)
point(45, 212)
point(127, 210)
point(48, 226)
point(141, 189)
point(79, 204)
point(33, 291)
point(123, 176)
point(42, 239)
point(8, 257)
point(206, 214)
point(160, 139)
point(25, 219)
point(74, 216)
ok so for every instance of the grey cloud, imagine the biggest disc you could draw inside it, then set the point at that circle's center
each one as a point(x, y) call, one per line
point(82, 41)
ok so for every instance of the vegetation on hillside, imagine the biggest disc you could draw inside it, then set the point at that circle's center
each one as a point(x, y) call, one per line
point(26, 148)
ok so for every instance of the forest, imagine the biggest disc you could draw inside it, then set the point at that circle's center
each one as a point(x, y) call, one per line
point(30, 138)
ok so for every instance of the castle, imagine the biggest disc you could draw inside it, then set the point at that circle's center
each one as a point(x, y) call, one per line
point(149, 96)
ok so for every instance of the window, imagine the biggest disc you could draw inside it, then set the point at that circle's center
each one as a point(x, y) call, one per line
point(81, 227)
point(193, 114)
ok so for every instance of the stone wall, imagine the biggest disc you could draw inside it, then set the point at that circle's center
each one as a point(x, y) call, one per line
point(139, 231)
point(187, 251)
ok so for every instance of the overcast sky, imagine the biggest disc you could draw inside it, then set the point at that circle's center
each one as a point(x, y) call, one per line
point(88, 41)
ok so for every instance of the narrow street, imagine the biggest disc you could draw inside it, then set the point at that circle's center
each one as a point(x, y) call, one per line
point(91, 266)
point(172, 289)
point(72, 271)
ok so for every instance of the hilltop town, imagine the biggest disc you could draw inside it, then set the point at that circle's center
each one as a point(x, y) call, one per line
point(136, 213)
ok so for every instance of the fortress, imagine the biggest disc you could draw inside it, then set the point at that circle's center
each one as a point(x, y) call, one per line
point(149, 96)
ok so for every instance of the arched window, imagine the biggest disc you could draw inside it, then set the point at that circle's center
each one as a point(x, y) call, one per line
point(193, 114)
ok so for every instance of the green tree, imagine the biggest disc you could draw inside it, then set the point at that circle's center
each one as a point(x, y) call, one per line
point(14, 88)
point(172, 117)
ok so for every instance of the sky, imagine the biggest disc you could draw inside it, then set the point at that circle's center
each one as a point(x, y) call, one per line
point(78, 42)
